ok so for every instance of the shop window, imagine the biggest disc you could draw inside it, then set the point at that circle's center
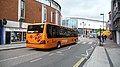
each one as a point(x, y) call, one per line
point(16, 36)
point(118, 6)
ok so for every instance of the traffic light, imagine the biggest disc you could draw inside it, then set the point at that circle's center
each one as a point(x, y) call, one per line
point(0, 23)
point(4, 21)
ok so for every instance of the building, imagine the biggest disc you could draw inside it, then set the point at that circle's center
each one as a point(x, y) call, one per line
point(84, 25)
point(87, 26)
point(20, 13)
point(115, 20)
point(72, 23)
point(115, 16)
point(108, 25)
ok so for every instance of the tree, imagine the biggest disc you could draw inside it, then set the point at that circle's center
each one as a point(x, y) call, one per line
point(98, 30)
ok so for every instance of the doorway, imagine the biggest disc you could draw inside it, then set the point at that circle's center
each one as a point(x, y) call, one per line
point(7, 37)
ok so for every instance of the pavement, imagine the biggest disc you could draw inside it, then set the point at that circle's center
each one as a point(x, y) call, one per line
point(107, 55)
point(12, 46)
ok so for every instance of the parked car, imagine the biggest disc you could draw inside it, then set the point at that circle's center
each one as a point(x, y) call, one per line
point(93, 35)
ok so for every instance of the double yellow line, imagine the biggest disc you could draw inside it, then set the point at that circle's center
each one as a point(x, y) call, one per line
point(79, 62)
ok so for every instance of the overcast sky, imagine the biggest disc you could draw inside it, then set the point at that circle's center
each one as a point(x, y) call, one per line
point(85, 8)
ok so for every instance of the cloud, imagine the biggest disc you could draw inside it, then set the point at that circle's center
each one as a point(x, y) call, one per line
point(85, 8)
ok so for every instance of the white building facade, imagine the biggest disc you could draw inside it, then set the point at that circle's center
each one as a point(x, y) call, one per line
point(84, 25)
point(87, 26)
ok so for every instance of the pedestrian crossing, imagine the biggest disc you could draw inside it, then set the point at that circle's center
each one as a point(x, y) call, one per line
point(86, 43)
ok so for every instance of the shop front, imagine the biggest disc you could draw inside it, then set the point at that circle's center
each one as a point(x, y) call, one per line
point(13, 33)
point(15, 36)
point(18, 36)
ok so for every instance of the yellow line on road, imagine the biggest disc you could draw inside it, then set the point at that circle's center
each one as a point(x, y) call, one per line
point(79, 62)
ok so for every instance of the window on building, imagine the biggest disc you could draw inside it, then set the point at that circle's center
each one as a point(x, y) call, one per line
point(22, 8)
point(89, 24)
point(118, 6)
point(51, 16)
point(57, 17)
point(45, 14)
point(16, 36)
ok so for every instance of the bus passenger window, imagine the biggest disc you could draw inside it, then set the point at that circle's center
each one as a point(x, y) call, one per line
point(49, 31)
point(54, 31)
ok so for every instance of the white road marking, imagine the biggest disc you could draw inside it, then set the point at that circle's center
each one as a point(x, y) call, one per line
point(70, 47)
point(84, 55)
point(78, 42)
point(90, 42)
point(83, 58)
point(35, 60)
point(77, 56)
point(18, 57)
point(64, 50)
point(92, 47)
point(58, 52)
point(83, 42)
point(51, 54)
point(87, 54)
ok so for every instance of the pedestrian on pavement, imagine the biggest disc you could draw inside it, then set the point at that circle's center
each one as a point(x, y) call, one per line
point(102, 38)
point(105, 37)
point(98, 37)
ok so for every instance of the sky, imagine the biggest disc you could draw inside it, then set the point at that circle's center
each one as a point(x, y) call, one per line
point(85, 8)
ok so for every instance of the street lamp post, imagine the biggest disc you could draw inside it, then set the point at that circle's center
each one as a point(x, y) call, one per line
point(100, 29)
point(100, 38)
point(83, 29)
point(103, 19)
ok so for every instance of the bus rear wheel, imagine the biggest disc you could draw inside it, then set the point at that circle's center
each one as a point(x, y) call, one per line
point(58, 45)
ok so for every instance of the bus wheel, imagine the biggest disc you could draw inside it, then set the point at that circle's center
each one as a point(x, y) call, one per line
point(58, 45)
point(74, 41)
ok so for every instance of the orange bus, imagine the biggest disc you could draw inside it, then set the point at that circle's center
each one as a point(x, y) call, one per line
point(46, 35)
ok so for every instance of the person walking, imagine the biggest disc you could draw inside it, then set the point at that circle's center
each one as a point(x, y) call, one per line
point(105, 37)
point(102, 38)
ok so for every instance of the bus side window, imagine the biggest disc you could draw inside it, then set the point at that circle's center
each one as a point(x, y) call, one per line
point(61, 32)
point(49, 31)
point(57, 31)
point(54, 32)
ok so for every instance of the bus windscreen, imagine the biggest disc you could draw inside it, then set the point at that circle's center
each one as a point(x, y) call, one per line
point(35, 28)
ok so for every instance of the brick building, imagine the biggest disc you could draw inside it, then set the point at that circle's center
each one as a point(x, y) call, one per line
point(20, 13)
point(115, 20)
